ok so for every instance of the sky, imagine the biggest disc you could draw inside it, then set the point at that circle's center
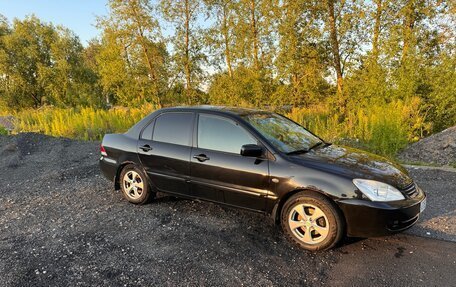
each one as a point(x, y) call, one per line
point(77, 15)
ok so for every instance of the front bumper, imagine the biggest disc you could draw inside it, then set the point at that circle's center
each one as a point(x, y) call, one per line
point(368, 219)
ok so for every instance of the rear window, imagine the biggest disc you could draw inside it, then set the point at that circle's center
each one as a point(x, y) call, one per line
point(174, 128)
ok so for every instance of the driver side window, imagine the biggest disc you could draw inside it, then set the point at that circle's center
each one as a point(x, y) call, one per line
point(222, 134)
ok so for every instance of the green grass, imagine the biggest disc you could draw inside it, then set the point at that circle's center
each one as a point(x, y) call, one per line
point(3, 131)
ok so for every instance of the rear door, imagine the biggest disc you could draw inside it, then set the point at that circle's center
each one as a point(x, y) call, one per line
point(164, 150)
point(218, 170)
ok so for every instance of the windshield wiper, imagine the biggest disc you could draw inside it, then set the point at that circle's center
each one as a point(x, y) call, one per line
point(315, 145)
point(298, 151)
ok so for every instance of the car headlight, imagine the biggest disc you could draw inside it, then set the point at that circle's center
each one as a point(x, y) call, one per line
point(378, 191)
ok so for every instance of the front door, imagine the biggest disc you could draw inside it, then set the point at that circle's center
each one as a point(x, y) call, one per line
point(219, 172)
point(164, 150)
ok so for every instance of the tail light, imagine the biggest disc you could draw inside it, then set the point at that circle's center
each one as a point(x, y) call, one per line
point(103, 151)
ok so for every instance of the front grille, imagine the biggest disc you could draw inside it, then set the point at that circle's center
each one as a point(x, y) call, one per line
point(410, 190)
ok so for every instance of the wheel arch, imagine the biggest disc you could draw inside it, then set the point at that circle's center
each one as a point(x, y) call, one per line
point(277, 211)
point(119, 170)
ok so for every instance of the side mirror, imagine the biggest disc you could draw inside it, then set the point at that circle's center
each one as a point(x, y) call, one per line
point(251, 150)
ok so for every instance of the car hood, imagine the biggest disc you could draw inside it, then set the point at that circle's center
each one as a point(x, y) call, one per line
point(354, 163)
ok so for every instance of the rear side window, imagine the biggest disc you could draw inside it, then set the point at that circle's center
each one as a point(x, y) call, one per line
point(174, 128)
point(221, 134)
point(147, 132)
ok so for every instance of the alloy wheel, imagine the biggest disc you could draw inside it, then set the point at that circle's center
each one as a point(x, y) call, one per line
point(133, 184)
point(308, 223)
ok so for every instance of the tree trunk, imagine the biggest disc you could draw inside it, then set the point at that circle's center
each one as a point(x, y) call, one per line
point(150, 64)
point(143, 42)
point(254, 30)
point(295, 83)
point(408, 25)
point(378, 19)
point(187, 50)
point(335, 46)
point(227, 43)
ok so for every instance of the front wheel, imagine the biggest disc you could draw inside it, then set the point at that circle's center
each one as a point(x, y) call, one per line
point(311, 221)
point(135, 187)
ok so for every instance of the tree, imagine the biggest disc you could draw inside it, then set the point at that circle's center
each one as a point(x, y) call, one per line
point(301, 61)
point(255, 33)
point(132, 56)
point(246, 88)
point(221, 38)
point(43, 64)
point(345, 21)
point(187, 42)
point(377, 26)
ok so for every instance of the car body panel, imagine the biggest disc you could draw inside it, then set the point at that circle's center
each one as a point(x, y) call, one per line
point(354, 163)
point(368, 219)
point(263, 184)
point(167, 165)
point(231, 178)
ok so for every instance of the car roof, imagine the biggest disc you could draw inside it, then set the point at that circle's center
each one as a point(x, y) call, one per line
point(233, 112)
point(222, 109)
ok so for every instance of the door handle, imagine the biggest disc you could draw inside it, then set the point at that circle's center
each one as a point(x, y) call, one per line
point(201, 157)
point(145, 147)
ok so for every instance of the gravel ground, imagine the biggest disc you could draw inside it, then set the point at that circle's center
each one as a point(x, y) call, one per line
point(62, 224)
point(439, 218)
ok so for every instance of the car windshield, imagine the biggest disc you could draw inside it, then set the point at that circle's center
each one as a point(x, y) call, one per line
point(284, 134)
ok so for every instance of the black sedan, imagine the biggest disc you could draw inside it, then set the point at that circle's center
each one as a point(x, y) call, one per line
point(262, 161)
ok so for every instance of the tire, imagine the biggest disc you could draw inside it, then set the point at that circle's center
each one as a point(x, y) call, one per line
point(312, 221)
point(135, 185)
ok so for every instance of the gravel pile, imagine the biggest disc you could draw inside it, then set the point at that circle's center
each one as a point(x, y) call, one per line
point(7, 122)
point(62, 224)
point(437, 149)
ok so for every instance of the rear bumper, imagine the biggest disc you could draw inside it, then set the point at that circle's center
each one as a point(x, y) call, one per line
point(108, 167)
point(367, 219)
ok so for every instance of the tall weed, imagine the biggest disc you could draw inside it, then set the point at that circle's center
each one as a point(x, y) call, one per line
point(379, 128)
point(383, 129)
point(79, 123)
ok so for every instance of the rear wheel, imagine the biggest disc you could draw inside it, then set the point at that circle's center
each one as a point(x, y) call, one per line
point(135, 187)
point(311, 221)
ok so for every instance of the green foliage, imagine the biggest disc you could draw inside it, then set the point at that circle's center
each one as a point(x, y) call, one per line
point(187, 42)
point(131, 56)
point(40, 63)
point(247, 87)
point(375, 74)
point(442, 94)
point(301, 58)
